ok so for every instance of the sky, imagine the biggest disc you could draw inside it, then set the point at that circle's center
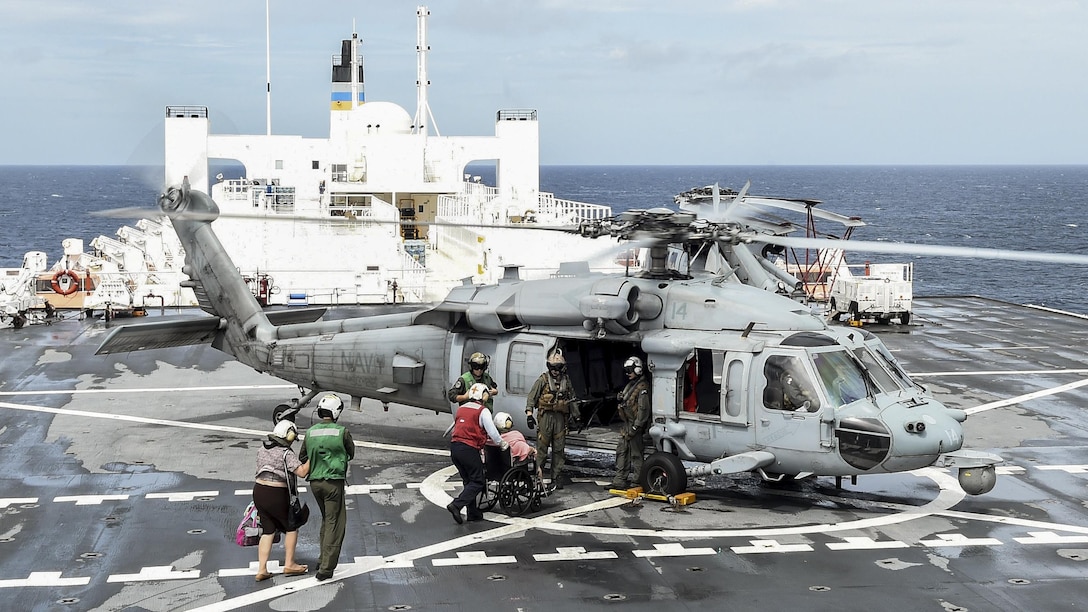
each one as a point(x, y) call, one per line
point(614, 82)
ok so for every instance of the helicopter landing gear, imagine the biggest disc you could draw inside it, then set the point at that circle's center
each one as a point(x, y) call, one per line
point(290, 410)
point(663, 474)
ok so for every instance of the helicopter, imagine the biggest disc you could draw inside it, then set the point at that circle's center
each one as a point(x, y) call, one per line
point(744, 379)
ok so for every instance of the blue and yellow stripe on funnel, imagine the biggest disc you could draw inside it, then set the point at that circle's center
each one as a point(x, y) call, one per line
point(341, 100)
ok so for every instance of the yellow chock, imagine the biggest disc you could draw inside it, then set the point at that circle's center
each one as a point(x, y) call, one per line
point(681, 499)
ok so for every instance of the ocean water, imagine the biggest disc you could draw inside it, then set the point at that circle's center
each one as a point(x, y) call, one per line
point(1041, 208)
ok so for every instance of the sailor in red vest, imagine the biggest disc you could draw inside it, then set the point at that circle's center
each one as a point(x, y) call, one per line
point(472, 426)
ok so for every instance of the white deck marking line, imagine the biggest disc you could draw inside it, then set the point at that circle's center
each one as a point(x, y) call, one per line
point(154, 573)
point(366, 489)
point(8, 501)
point(1072, 469)
point(180, 496)
point(1027, 396)
point(147, 390)
point(273, 567)
point(217, 428)
point(673, 549)
point(1049, 537)
point(474, 557)
point(998, 372)
point(950, 494)
point(575, 553)
point(865, 543)
point(89, 500)
point(1008, 520)
point(769, 546)
point(958, 539)
point(44, 579)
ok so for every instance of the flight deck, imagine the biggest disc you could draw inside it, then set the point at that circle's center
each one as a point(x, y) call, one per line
point(125, 476)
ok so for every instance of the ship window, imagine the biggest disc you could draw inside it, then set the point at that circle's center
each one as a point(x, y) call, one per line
point(316, 165)
point(279, 164)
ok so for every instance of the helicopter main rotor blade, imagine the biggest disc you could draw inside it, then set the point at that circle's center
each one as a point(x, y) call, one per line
point(936, 250)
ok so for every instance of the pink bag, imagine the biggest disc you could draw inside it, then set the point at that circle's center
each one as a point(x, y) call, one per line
point(249, 530)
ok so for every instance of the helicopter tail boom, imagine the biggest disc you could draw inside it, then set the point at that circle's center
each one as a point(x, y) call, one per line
point(239, 326)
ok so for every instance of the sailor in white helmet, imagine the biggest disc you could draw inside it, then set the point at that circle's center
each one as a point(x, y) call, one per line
point(329, 447)
point(472, 426)
point(634, 410)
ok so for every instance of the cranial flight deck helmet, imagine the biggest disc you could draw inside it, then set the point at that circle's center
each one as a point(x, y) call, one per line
point(330, 406)
point(633, 365)
point(556, 361)
point(503, 421)
point(479, 392)
point(286, 429)
point(479, 360)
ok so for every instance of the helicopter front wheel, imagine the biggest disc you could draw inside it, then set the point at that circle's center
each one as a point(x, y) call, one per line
point(663, 474)
point(284, 411)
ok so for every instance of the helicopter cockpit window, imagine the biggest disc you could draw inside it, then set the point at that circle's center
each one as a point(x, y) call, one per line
point(892, 364)
point(842, 377)
point(883, 380)
point(789, 386)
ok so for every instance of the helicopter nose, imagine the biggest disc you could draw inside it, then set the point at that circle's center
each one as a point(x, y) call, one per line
point(925, 432)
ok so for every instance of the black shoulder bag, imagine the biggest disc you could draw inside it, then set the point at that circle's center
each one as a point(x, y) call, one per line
point(297, 512)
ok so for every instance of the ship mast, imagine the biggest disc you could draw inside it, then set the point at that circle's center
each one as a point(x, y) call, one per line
point(423, 109)
point(267, 69)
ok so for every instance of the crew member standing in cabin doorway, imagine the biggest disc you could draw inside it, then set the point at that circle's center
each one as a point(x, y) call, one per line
point(552, 398)
point(634, 410)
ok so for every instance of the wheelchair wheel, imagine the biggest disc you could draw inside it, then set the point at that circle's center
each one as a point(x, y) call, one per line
point(487, 498)
point(516, 492)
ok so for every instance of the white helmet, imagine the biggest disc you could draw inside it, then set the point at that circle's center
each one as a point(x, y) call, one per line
point(286, 429)
point(633, 364)
point(331, 405)
point(503, 421)
point(479, 392)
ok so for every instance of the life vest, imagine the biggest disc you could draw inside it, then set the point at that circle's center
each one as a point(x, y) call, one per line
point(466, 425)
point(326, 453)
point(486, 379)
point(553, 399)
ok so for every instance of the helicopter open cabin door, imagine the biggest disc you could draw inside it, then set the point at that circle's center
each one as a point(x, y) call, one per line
point(788, 415)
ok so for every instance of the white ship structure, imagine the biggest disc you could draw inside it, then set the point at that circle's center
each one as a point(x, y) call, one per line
point(354, 218)
point(380, 211)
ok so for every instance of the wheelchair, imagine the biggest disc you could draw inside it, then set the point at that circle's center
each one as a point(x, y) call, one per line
point(512, 485)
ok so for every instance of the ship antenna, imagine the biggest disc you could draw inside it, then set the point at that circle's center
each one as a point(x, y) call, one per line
point(423, 109)
point(267, 69)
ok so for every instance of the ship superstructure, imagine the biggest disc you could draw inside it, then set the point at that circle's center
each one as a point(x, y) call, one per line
point(349, 218)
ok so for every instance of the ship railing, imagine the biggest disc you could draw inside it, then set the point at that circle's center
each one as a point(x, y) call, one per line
point(570, 210)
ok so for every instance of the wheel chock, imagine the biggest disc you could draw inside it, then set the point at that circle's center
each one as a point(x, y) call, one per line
point(680, 499)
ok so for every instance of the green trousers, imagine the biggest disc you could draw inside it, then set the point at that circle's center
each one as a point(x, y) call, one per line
point(552, 433)
point(330, 501)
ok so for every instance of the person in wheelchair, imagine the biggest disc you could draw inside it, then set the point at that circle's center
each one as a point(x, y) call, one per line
point(520, 450)
point(514, 478)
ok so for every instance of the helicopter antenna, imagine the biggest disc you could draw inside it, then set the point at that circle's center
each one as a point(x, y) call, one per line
point(748, 329)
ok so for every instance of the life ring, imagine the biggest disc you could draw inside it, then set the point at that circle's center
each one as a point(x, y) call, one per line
point(65, 282)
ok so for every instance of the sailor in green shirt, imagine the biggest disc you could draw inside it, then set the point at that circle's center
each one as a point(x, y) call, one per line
point(477, 373)
point(329, 447)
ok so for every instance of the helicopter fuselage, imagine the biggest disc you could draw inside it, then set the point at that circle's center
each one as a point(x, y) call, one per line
point(742, 379)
